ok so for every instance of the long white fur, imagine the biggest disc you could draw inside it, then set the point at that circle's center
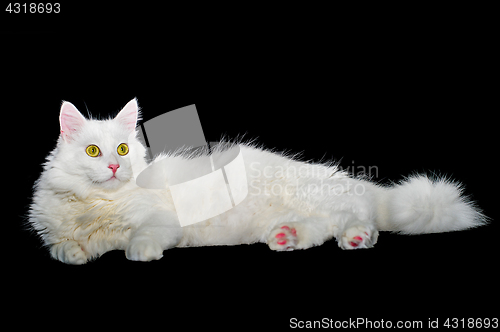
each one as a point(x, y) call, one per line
point(80, 215)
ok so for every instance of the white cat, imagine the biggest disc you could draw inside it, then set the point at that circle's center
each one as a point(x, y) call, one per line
point(86, 201)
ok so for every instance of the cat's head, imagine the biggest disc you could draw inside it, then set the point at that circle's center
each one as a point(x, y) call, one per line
point(99, 154)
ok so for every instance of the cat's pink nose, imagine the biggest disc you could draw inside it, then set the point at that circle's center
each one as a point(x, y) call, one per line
point(113, 167)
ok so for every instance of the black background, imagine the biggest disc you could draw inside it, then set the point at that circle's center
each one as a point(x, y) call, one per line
point(404, 95)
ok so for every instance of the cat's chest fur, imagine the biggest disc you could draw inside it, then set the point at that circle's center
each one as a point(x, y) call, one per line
point(96, 222)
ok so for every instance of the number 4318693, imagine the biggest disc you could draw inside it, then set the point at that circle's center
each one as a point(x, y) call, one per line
point(33, 8)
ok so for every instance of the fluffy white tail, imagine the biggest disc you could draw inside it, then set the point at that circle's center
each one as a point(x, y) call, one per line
point(421, 205)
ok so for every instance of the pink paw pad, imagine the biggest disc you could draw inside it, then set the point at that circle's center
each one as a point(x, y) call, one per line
point(293, 231)
point(357, 238)
point(286, 238)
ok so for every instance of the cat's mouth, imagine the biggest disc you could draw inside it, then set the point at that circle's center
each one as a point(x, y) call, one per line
point(110, 180)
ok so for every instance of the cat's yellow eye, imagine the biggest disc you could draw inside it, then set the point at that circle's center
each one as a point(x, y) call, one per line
point(122, 149)
point(93, 150)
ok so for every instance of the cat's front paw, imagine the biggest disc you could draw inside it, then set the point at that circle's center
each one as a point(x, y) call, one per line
point(358, 237)
point(69, 252)
point(283, 238)
point(144, 250)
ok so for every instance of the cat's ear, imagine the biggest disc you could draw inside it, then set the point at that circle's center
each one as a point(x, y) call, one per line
point(129, 115)
point(71, 120)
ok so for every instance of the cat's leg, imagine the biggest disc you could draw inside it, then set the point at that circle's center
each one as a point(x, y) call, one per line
point(69, 252)
point(351, 205)
point(357, 234)
point(283, 237)
point(287, 236)
point(159, 232)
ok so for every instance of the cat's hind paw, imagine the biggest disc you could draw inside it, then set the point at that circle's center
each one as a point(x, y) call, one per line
point(283, 238)
point(358, 237)
point(69, 252)
point(143, 250)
